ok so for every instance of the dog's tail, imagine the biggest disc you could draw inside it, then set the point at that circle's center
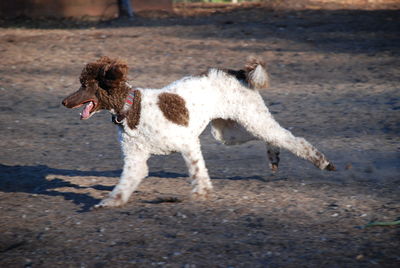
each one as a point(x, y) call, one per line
point(256, 73)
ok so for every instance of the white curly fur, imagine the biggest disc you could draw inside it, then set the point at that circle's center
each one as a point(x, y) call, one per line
point(237, 112)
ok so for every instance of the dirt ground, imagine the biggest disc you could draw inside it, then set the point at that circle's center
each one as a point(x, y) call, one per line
point(335, 81)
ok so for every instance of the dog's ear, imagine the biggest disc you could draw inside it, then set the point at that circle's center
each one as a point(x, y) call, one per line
point(116, 71)
point(111, 72)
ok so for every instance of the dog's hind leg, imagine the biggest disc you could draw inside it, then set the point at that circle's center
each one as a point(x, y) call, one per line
point(134, 171)
point(258, 121)
point(267, 129)
point(198, 173)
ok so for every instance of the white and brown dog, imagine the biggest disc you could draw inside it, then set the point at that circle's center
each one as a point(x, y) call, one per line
point(172, 118)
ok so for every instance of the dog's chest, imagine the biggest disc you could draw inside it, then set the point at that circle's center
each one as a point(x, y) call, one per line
point(154, 133)
point(150, 141)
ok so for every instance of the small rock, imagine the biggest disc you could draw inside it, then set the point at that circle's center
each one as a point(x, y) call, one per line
point(360, 257)
point(181, 215)
point(348, 166)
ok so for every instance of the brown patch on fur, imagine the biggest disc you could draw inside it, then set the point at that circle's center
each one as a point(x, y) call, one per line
point(133, 114)
point(246, 75)
point(174, 108)
point(238, 74)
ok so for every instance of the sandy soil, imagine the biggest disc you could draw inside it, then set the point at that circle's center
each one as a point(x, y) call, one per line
point(335, 81)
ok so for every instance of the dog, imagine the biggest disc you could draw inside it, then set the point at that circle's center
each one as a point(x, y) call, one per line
point(170, 119)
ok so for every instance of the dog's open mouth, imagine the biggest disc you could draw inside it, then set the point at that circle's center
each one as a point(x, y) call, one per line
point(88, 109)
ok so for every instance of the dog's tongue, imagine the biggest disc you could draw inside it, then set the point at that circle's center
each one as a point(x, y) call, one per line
point(86, 110)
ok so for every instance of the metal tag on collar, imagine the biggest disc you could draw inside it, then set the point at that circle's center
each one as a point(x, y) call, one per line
point(117, 119)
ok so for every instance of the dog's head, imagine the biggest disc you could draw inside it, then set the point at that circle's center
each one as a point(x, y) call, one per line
point(102, 87)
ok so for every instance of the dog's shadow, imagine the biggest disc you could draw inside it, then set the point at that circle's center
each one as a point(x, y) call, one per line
point(35, 180)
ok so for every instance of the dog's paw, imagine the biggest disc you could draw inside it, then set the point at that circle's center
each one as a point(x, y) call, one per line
point(110, 202)
point(330, 167)
point(274, 167)
point(202, 194)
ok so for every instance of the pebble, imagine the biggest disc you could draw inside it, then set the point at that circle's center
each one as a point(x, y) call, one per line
point(360, 257)
point(181, 215)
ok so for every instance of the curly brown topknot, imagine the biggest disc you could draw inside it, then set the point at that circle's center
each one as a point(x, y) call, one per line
point(108, 72)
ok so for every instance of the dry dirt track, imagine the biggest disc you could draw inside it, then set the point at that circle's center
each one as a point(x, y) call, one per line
point(336, 82)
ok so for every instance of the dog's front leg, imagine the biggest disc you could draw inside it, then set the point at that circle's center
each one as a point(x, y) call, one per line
point(135, 170)
point(201, 182)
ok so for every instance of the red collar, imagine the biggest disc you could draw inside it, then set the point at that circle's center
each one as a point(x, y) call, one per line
point(117, 119)
point(129, 99)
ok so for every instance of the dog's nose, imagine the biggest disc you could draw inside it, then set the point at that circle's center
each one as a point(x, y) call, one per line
point(64, 102)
